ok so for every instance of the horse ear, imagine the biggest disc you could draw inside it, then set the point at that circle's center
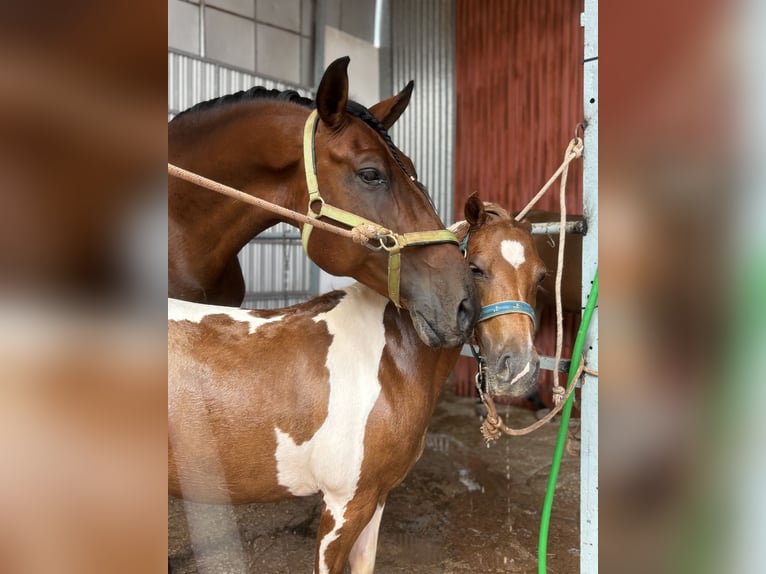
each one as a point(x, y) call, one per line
point(388, 111)
point(474, 211)
point(332, 93)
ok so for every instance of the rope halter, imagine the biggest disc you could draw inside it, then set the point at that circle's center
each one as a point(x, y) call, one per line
point(365, 232)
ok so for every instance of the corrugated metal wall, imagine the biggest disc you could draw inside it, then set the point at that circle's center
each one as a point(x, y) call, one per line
point(276, 271)
point(519, 84)
point(422, 49)
point(518, 71)
point(191, 80)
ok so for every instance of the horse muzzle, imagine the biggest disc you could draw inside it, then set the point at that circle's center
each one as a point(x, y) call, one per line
point(435, 331)
point(514, 375)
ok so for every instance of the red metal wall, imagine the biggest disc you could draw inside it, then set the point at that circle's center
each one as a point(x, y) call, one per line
point(519, 97)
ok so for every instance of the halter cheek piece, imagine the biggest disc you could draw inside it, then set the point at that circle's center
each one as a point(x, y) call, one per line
point(488, 312)
point(380, 238)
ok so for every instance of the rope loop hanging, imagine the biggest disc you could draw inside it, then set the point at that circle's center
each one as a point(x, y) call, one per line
point(493, 425)
point(574, 150)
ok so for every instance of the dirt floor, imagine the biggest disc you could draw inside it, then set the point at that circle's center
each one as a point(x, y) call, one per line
point(464, 508)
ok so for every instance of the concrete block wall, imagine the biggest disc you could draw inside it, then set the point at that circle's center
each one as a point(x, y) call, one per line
point(273, 38)
point(267, 37)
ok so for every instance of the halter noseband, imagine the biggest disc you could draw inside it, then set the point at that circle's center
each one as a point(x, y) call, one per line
point(506, 307)
point(387, 240)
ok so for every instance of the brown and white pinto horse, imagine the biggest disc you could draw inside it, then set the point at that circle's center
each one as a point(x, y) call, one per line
point(254, 141)
point(334, 395)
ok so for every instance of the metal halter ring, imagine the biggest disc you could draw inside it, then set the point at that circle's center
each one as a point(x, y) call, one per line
point(394, 244)
point(320, 201)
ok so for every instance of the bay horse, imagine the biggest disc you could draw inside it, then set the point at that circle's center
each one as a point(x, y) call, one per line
point(334, 396)
point(254, 141)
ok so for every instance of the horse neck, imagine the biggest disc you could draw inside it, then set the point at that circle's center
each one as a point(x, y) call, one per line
point(250, 147)
point(424, 366)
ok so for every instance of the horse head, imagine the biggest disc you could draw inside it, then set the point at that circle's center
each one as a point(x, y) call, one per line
point(507, 270)
point(359, 169)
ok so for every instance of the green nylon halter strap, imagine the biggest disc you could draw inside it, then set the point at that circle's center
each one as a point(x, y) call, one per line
point(387, 240)
point(310, 168)
point(327, 211)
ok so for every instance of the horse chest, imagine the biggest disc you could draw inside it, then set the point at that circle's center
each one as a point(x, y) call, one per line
point(331, 460)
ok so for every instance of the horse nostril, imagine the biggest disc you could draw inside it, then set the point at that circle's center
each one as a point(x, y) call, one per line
point(467, 314)
point(505, 363)
point(513, 366)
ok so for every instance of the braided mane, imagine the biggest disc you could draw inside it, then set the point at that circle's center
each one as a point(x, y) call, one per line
point(256, 93)
point(260, 93)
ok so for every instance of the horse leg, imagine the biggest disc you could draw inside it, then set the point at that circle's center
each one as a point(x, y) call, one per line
point(362, 557)
point(339, 529)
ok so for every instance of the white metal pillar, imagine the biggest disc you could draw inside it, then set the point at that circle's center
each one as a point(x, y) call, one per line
point(589, 391)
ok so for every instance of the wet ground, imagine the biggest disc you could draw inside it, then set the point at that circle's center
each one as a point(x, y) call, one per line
point(463, 508)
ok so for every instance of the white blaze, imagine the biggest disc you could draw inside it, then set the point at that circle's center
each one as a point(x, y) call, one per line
point(513, 252)
point(331, 460)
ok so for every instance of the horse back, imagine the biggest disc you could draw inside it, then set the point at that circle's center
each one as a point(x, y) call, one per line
point(234, 377)
point(264, 405)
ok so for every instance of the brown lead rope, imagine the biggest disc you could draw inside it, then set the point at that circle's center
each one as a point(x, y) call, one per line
point(493, 426)
point(360, 234)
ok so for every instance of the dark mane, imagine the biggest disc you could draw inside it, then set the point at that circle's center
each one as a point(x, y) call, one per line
point(260, 93)
point(256, 93)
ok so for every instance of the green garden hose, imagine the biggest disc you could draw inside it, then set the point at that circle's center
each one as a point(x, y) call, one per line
point(561, 440)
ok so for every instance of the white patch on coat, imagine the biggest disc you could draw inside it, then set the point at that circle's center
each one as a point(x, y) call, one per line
point(362, 557)
point(513, 252)
point(195, 312)
point(331, 460)
point(522, 373)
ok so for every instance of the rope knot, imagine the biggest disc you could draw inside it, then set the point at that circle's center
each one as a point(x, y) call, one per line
point(558, 395)
point(574, 149)
point(491, 428)
point(363, 233)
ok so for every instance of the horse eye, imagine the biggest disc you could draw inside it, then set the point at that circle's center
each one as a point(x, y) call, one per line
point(541, 276)
point(371, 176)
point(476, 271)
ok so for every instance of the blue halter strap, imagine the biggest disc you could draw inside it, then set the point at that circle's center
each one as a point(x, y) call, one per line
point(464, 243)
point(506, 307)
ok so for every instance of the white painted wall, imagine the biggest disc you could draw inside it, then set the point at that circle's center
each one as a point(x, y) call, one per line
point(364, 87)
point(363, 75)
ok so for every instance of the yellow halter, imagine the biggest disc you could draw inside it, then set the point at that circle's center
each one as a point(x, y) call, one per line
point(369, 232)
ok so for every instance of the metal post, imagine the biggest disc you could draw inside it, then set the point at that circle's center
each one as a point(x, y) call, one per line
point(202, 29)
point(320, 21)
point(383, 44)
point(553, 228)
point(589, 392)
